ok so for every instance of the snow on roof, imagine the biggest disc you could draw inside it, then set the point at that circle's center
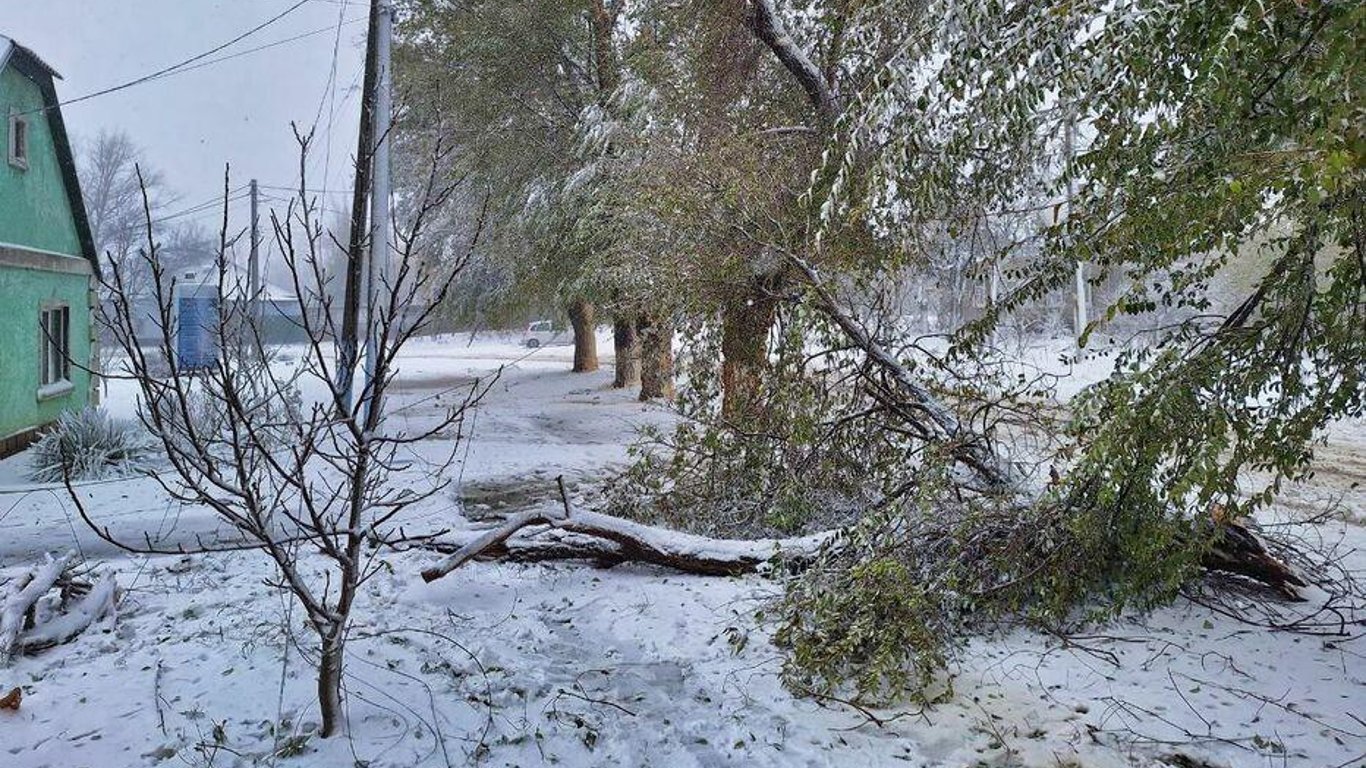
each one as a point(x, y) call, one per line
point(235, 278)
point(8, 47)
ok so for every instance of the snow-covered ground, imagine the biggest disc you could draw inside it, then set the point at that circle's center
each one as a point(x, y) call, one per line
point(566, 664)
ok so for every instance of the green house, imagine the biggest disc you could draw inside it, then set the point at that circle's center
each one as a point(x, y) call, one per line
point(47, 259)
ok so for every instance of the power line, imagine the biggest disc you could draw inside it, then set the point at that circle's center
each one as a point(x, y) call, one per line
point(205, 207)
point(257, 49)
point(295, 188)
point(176, 67)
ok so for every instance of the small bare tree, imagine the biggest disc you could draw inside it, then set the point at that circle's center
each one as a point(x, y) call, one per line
point(292, 477)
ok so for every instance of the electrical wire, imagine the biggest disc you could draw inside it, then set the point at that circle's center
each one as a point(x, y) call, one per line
point(165, 71)
point(210, 206)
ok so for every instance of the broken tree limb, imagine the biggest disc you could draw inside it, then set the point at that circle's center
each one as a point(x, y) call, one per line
point(632, 541)
point(626, 541)
point(569, 534)
point(97, 604)
point(1239, 551)
point(20, 598)
point(77, 606)
point(942, 425)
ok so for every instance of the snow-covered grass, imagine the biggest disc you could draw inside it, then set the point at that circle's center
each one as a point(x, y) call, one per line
point(90, 445)
point(521, 665)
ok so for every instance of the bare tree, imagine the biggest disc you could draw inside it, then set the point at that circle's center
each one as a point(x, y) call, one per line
point(292, 479)
point(109, 167)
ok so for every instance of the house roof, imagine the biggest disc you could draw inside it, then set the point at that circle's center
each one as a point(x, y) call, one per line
point(28, 64)
point(8, 46)
point(235, 280)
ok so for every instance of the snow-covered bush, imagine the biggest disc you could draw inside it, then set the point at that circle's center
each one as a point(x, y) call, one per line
point(90, 445)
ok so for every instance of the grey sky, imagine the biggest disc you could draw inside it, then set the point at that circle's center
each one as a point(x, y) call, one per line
point(235, 111)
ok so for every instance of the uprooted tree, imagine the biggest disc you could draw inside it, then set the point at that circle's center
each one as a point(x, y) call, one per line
point(291, 477)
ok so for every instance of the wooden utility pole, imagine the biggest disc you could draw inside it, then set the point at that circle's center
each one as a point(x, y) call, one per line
point(254, 261)
point(380, 247)
point(348, 345)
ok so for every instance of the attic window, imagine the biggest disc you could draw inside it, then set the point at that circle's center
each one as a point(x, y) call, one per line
point(18, 141)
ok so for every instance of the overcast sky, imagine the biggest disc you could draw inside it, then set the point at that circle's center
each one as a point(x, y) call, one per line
point(234, 111)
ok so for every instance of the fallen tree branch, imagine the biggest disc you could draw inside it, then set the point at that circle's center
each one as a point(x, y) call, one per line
point(96, 605)
point(567, 534)
point(940, 423)
point(1239, 551)
point(621, 540)
point(20, 598)
point(22, 633)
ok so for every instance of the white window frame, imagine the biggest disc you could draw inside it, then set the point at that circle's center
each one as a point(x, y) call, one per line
point(18, 140)
point(54, 350)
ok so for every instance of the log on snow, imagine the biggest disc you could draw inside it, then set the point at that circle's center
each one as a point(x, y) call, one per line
point(609, 541)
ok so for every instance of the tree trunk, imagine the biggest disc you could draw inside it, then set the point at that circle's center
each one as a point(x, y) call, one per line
point(585, 344)
point(657, 358)
point(329, 681)
point(626, 341)
point(745, 325)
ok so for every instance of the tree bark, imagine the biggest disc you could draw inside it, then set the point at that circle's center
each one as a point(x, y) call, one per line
point(745, 325)
point(581, 317)
point(762, 19)
point(329, 681)
point(626, 343)
point(657, 358)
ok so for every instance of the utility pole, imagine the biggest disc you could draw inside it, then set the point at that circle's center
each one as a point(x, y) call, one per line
point(349, 345)
point(254, 263)
point(380, 252)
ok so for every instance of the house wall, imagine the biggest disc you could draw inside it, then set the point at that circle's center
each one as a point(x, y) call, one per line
point(28, 281)
point(41, 263)
point(34, 209)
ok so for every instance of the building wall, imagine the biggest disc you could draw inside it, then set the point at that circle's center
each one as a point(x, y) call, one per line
point(40, 263)
point(34, 209)
point(25, 290)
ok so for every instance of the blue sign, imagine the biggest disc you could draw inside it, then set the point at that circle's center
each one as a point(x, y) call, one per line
point(196, 332)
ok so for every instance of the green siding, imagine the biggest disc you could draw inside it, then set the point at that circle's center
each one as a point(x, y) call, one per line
point(34, 209)
point(25, 291)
